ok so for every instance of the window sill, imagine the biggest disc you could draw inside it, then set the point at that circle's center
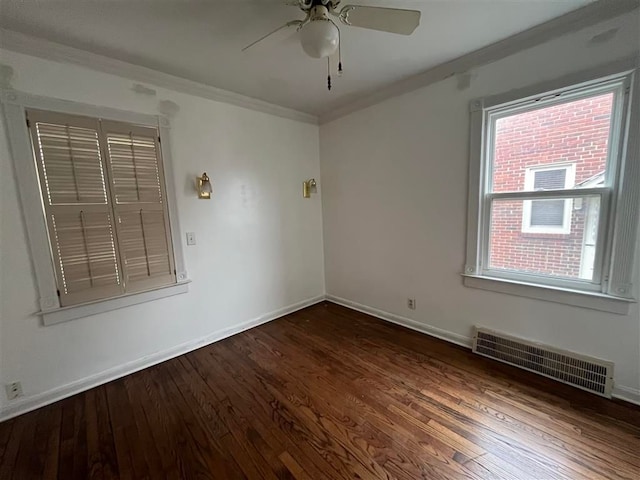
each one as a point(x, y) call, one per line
point(63, 314)
point(577, 298)
point(546, 235)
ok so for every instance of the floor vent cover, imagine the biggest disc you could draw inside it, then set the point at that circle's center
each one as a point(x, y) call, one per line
point(584, 372)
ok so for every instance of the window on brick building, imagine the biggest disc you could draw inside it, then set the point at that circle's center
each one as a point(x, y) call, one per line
point(548, 216)
point(554, 181)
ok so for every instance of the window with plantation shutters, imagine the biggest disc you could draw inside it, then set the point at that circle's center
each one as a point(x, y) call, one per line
point(102, 187)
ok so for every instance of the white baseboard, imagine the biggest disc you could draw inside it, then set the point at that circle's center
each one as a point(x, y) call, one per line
point(628, 394)
point(403, 321)
point(33, 402)
point(621, 392)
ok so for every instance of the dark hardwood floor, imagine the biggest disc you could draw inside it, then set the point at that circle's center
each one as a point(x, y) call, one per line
point(320, 394)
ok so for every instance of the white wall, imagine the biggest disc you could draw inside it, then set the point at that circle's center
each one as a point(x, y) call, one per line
point(394, 209)
point(395, 203)
point(259, 243)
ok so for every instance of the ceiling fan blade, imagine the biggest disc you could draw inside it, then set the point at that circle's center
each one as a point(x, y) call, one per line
point(393, 20)
point(286, 26)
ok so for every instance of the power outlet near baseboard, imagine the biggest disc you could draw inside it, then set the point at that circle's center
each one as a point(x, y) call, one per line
point(13, 390)
point(411, 303)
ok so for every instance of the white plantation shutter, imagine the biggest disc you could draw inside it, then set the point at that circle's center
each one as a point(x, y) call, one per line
point(80, 221)
point(71, 164)
point(102, 186)
point(139, 202)
point(85, 248)
point(135, 168)
point(143, 243)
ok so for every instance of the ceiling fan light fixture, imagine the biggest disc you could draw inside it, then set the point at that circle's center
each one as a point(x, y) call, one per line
point(319, 38)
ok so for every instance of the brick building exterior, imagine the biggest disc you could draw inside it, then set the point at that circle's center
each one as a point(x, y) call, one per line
point(562, 143)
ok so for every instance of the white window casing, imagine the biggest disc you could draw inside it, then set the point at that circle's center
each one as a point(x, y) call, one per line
point(110, 127)
point(611, 288)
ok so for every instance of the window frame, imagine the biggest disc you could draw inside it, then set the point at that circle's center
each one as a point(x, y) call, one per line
point(612, 287)
point(14, 106)
point(529, 181)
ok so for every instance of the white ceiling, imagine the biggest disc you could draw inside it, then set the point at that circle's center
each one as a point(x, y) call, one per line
point(201, 41)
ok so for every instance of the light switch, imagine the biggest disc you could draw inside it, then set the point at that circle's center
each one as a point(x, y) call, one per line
point(191, 238)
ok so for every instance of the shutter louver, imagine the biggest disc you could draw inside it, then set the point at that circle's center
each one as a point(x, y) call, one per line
point(138, 189)
point(79, 218)
point(86, 252)
point(72, 166)
point(144, 246)
point(134, 167)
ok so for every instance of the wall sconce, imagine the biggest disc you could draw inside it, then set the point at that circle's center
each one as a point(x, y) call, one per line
point(309, 187)
point(203, 184)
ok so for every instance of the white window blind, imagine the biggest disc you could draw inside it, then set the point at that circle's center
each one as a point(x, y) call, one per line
point(549, 212)
point(102, 188)
point(550, 215)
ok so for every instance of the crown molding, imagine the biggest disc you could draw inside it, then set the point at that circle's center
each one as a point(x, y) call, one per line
point(586, 16)
point(38, 47)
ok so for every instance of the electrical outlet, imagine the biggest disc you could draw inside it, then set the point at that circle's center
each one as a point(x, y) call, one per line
point(191, 238)
point(14, 390)
point(411, 303)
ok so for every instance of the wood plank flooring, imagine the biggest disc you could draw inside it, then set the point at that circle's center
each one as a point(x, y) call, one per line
point(326, 393)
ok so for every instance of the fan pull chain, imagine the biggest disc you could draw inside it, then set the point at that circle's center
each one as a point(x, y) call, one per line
point(339, 53)
point(328, 74)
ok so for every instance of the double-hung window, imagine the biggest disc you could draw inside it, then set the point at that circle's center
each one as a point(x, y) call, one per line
point(103, 193)
point(554, 189)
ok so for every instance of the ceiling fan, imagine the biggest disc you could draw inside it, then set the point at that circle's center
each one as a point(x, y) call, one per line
point(320, 35)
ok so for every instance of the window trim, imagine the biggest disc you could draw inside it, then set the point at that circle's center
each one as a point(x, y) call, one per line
point(565, 95)
point(14, 105)
point(529, 180)
point(617, 267)
point(72, 312)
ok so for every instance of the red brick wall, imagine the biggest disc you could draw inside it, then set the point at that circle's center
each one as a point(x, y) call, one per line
point(576, 133)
